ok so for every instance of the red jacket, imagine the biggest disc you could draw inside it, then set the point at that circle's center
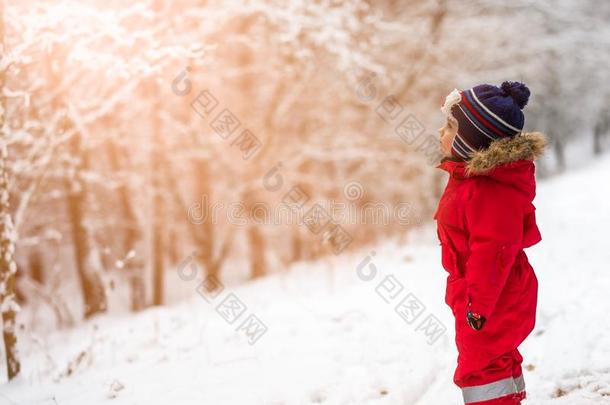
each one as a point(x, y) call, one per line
point(485, 218)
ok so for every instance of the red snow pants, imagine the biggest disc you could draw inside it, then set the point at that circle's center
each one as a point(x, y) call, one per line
point(489, 364)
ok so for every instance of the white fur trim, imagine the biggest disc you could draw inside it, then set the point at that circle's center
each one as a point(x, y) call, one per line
point(452, 99)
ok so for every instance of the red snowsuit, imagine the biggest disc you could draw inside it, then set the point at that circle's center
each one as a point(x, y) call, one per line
point(485, 219)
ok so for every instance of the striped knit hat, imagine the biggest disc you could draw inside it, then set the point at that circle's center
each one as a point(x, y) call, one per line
point(484, 114)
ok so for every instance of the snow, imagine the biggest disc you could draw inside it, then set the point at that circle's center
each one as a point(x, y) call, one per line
point(331, 336)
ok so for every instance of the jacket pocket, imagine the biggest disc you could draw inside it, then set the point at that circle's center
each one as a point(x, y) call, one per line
point(455, 293)
point(448, 259)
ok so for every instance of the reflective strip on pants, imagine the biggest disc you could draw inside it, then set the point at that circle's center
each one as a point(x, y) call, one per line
point(493, 390)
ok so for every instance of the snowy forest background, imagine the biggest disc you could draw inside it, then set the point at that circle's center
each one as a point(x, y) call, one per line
point(124, 123)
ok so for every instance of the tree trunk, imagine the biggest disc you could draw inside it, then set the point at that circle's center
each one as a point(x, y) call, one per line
point(301, 249)
point(208, 240)
point(133, 265)
point(8, 267)
point(211, 251)
point(597, 144)
point(157, 236)
point(599, 131)
point(256, 240)
point(158, 206)
point(257, 252)
point(297, 245)
point(255, 236)
point(94, 296)
point(559, 154)
point(36, 267)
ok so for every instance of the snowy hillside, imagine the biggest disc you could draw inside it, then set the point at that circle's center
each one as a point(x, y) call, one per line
point(332, 338)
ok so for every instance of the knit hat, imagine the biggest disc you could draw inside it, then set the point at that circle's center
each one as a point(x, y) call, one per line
point(484, 114)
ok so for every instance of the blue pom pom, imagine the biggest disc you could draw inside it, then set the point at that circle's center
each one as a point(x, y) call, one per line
point(518, 91)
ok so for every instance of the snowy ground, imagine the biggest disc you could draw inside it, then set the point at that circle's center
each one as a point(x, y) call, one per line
point(332, 339)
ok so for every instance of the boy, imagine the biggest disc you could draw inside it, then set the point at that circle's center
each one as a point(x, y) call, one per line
point(485, 218)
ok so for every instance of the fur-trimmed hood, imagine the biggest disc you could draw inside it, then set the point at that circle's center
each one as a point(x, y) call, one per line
point(526, 145)
point(508, 160)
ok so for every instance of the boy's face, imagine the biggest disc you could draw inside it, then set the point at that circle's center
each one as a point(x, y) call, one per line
point(447, 133)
